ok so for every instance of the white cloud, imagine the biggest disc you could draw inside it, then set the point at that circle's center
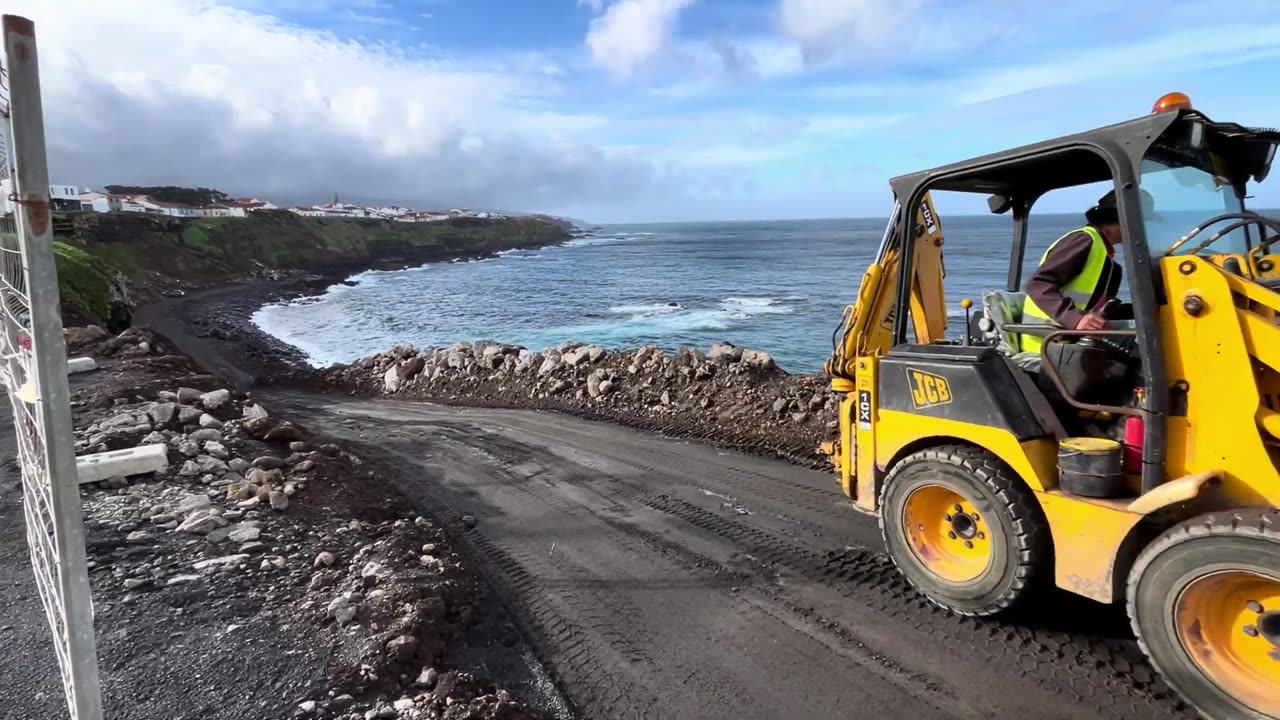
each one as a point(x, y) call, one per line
point(827, 27)
point(633, 32)
point(189, 92)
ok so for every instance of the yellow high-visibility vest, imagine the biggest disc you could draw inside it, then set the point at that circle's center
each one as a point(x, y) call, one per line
point(1079, 290)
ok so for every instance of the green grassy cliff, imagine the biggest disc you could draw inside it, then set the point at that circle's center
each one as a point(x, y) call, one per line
point(145, 249)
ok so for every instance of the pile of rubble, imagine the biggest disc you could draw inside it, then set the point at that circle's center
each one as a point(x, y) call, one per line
point(730, 395)
point(230, 523)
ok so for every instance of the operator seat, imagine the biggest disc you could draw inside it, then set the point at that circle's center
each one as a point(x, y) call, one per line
point(1003, 308)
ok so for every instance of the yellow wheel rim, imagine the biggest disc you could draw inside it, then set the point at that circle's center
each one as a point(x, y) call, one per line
point(1229, 624)
point(947, 534)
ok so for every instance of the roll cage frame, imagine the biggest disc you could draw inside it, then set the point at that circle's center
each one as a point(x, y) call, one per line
point(1015, 179)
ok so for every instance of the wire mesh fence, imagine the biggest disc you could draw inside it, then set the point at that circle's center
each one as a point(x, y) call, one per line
point(33, 371)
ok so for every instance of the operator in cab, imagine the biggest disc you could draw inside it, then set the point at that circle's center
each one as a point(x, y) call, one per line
point(1078, 276)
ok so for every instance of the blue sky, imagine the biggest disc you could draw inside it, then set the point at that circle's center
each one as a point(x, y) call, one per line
point(621, 110)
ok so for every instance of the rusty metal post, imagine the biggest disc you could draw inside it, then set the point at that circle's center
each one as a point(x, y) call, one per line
point(66, 592)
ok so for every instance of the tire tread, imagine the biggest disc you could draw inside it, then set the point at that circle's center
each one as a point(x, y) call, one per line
point(1253, 522)
point(1031, 547)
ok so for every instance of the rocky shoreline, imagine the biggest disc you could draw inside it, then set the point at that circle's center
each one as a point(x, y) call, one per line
point(730, 396)
point(256, 531)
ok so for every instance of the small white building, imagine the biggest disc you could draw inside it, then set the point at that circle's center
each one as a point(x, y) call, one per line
point(95, 202)
point(251, 204)
point(220, 211)
point(61, 197)
point(173, 209)
point(306, 211)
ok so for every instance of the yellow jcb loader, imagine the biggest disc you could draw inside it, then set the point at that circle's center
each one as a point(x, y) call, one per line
point(1139, 464)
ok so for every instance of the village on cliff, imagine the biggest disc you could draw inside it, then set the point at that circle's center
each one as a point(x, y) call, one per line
point(71, 198)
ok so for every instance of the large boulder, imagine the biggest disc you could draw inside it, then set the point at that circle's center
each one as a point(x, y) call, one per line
point(723, 353)
point(758, 360)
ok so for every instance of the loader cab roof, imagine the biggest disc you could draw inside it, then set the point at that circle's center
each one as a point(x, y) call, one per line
point(1116, 151)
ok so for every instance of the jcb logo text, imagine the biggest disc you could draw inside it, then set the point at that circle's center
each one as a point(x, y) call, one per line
point(928, 389)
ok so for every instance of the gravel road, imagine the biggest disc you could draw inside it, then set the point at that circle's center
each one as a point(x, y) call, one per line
point(666, 579)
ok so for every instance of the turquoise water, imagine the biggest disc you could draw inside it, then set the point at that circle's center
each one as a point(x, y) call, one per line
point(777, 286)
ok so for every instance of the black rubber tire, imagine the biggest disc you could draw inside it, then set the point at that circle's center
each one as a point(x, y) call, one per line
point(1241, 539)
point(1024, 553)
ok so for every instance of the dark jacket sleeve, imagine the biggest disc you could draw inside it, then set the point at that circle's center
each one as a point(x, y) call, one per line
point(1063, 264)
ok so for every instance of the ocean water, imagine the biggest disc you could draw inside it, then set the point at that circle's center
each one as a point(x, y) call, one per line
point(776, 286)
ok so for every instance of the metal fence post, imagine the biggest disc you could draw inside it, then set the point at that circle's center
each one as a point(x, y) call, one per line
point(67, 598)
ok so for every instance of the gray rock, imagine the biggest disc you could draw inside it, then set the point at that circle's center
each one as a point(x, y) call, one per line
point(279, 501)
point(210, 464)
point(134, 583)
point(208, 421)
point(299, 447)
point(204, 435)
point(258, 476)
point(254, 411)
point(154, 438)
point(220, 562)
point(138, 537)
point(758, 360)
point(253, 548)
point(189, 448)
point(162, 413)
point(238, 465)
point(188, 395)
point(243, 533)
point(401, 648)
point(372, 572)
point(428, 677)
point(268, 462)
point(391, 379)
point(219, 535)
point(201, 523)
point(215, 399)
point(304, 467)
point(324, 559)
point(341, 610)
point(216, 449)
point(724, 353)
point(189, 469)
point(188, 415)
point(780, 405)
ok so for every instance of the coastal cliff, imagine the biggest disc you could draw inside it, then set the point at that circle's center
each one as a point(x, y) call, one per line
point(106, 258)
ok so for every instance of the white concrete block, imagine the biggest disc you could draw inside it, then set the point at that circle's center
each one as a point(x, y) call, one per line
point(122, 463)
point(80, 364)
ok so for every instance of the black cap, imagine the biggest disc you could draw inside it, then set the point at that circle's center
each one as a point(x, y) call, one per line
point(1106, 210)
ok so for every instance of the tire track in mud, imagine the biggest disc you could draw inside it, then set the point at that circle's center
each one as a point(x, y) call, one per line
point(1108, 674)
point(580, 640)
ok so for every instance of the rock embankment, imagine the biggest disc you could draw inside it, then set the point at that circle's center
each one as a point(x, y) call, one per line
point(257, 531)
point(732, 396)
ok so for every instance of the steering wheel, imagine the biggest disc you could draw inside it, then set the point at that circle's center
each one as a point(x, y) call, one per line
point(1242, 219)
point(1122, 347)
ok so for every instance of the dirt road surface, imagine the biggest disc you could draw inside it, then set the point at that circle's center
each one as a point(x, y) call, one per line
point(664, 579)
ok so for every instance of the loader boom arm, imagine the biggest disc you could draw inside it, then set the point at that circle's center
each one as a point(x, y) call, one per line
point(868, 327)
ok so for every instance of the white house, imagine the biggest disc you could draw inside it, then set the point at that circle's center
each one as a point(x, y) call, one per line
point(173, 209)
point(132, 203)
point(251, 204)
point(95, 202)
point(61, 197)
point(306, 211)
point(220, 211)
